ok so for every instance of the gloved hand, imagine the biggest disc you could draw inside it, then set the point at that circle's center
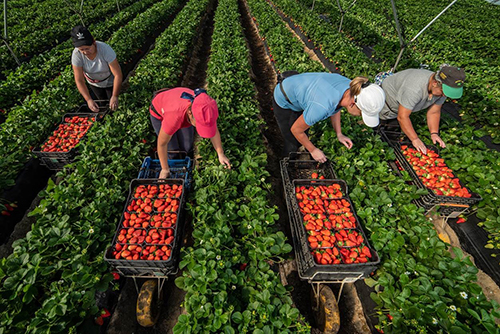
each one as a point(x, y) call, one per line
point(419, 145)
point(165, 173)
point(345, 140)
point(436, 139)
point(318, 155)
point(92, 105)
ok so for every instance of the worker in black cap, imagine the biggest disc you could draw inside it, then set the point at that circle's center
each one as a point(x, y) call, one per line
point(96, 63)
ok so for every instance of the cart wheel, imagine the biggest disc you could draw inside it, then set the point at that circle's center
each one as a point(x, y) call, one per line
point(148, 304)
point(327, 311)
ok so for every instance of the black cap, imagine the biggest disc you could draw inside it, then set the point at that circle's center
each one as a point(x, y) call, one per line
point(81, 36)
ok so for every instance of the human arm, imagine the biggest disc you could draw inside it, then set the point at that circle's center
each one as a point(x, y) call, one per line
point(298, 129)
point(433, 118)
point(217, 143)
point(115, 68)
point(407, 128)
point(82, 88)
point(162, 149)
point(335, 119)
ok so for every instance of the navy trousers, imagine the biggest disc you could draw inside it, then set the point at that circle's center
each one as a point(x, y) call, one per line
point(285, 119)
point(182, 140)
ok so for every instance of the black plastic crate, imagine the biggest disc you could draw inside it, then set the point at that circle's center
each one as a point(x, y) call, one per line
point(57, 160)
point(150, 267)
point(103, 109)
point(432, 198)
point(300, 165)
point(392, 136)
point(448, 206)
point(448, 210)
point(308, 268)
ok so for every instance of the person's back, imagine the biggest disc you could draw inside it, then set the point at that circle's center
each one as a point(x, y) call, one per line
point(408, 88)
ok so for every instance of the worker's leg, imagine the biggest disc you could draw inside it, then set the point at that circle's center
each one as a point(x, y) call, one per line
point(182, 140)
point(286, 118)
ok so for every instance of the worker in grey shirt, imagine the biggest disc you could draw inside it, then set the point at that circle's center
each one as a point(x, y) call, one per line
point(96, 63)
point(417, 89)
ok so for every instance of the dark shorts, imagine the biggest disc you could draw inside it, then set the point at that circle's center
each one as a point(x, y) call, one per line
point(103, 94)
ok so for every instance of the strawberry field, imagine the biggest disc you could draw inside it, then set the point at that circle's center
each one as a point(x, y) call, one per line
point(243, 245)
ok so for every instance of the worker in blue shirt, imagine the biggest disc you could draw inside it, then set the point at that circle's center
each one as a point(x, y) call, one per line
point(302, 100)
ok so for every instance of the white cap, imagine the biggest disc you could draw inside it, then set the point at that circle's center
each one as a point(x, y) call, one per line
point(371, 101)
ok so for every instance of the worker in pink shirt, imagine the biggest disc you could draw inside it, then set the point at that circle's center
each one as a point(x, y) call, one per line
point(174, 114)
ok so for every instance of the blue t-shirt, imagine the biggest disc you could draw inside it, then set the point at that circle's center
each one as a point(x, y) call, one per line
point(317, 94)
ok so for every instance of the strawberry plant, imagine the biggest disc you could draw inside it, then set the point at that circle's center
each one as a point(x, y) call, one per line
point(334, 45)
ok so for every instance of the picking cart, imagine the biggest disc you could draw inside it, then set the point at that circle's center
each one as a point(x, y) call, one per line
point(148, 238)
point(297, 175)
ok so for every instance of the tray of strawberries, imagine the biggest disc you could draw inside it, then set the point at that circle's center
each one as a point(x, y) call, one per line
point(148, 237)
point(60, 148)
point(429, 171)
point(328, 237)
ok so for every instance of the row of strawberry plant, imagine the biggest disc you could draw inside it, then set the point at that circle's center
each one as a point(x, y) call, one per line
point(470, 170)
point(44, 67)
point(20, 12)
point(49, 282)
point(17, 11)
point(480, 101)
point(419, 284)
point(62, 19)
point(279, 40)
point(31, 122)
point(229, 283)
point(333, 44)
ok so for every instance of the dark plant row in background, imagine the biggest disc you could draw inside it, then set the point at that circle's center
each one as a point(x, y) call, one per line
point(51, 23)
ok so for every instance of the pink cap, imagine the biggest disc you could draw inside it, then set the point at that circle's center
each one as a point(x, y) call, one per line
point(205, 114)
